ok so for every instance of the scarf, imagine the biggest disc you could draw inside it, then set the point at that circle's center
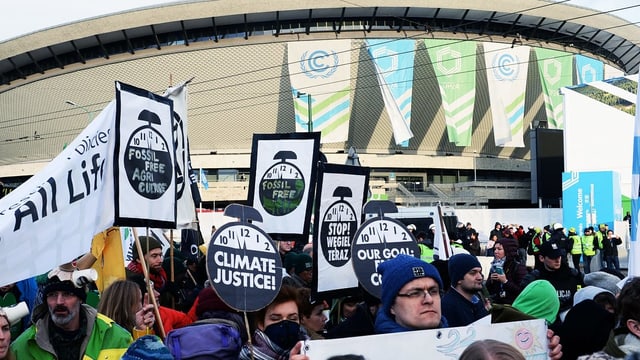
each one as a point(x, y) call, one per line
point(263, 349)
point(159, 278)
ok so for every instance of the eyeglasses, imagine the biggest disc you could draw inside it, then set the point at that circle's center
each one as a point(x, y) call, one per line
point(417, 293)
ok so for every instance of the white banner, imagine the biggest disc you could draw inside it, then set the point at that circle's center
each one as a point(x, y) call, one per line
point(507, 80)
point(144, 159)
point(186, 207)
point(51, 218)
point(320, 75)
point(393, 60)
point(528, 337)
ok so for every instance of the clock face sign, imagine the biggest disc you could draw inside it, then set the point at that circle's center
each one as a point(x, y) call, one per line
point(148, 163)
point(338, 228)
point(282, 186)
point(377, 240)
point(244, 267)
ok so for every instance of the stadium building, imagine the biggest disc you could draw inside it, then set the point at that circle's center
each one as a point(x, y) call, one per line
point(486, 147)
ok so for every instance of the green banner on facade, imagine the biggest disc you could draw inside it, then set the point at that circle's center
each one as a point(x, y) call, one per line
point(454, 63)
point(556, 71)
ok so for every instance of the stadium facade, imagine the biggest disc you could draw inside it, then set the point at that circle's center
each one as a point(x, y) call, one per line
point(54, 81)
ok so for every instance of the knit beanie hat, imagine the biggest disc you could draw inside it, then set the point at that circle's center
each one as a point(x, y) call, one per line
point(588, 293)
point(147, 347)
point(603, 280)
point(303, 262)
point(540, 300)
point(290, 260)
point(54, 284)
point(400, 270)
point(147, 243)
point(459, 265)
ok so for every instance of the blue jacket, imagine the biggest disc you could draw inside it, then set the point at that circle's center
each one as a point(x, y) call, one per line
point(386, 324)
point(460, 311)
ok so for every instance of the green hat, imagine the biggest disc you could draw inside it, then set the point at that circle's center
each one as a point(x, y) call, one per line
point(540, 300)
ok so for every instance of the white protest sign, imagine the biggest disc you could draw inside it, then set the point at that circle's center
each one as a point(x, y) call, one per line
point(341, 191)
point(529, 337)
point(144, 159)
point(51, 218)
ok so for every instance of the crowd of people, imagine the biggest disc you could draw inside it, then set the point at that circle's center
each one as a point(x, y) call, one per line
point(588, 314)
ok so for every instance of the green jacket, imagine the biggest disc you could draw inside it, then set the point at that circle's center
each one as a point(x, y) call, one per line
point(105, 340)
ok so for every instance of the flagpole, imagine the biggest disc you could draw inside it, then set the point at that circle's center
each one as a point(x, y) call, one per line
point(633, 268)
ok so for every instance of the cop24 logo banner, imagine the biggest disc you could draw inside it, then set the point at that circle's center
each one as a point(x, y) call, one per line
point(283, 176)
point(144, 159)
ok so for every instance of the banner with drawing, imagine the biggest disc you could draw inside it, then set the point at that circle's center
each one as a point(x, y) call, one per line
point(529, 337)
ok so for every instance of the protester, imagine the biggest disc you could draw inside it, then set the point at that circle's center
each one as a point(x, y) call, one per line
point(65, 328)
point(302, 270)
point(152, 254)
point(342, 309)
point(624, 340)
point(410, 296)
point(359, 321)
point(537, 301)
point(603, 297)
point(122, 301)
point(506, 273)
point(208, 305)
point(5, 335)
point(170, 318)
point(312, 318)
point(490, 350)
point(585, 329)
point(462, 304)
point(277, 329)
point(411, 299)
point(604, 280)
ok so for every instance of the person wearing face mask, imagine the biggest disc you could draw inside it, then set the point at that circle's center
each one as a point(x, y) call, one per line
point(277, 332)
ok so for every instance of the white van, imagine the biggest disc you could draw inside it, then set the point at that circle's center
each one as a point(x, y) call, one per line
point(423, 216)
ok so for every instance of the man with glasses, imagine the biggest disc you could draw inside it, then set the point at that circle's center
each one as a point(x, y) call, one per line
point(65, 328)
point(410, 296)
point(411, 300)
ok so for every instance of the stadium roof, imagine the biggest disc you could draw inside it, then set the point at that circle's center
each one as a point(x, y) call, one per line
point(599, 34)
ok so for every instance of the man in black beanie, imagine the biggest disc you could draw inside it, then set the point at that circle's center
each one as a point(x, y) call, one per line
point(462, 305)
point(152, 253)
point(65, 328)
